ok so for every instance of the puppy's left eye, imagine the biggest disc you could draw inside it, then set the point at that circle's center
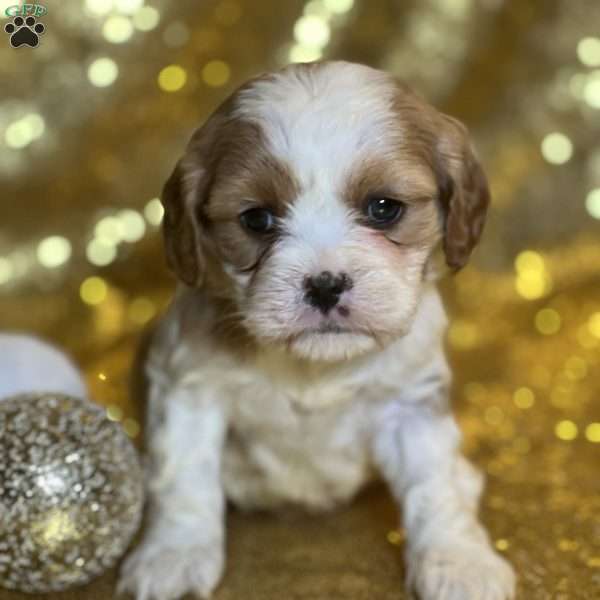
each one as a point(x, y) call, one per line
point(384, 211)
point(259, 220)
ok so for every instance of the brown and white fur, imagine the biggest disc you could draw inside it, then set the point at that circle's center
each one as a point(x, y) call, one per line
point(258, 396)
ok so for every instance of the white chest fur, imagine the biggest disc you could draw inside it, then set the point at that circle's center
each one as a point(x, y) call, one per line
point(279, 450)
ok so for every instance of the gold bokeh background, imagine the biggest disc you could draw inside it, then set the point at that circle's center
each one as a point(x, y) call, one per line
point(92, 121)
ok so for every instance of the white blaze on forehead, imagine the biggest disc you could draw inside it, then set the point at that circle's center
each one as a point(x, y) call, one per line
point(319, 218)
point(321, 119)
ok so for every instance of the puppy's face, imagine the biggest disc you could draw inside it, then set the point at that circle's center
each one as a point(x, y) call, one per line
point(311, 203)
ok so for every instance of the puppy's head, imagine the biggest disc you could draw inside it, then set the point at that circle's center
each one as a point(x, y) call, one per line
point(311, 203)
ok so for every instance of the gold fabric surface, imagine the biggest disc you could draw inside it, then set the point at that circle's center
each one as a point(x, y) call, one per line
point(89, 157)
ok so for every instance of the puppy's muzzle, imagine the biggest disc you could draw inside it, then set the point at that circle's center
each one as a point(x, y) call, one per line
point(323, 291)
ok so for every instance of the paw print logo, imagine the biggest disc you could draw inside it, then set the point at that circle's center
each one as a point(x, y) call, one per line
point(24, 32)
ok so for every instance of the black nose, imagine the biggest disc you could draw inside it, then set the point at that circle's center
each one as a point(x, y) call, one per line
point(324, 290)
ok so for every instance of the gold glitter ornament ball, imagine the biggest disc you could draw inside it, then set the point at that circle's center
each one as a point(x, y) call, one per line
point(71, 492)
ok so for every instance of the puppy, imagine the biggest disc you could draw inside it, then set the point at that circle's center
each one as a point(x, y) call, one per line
point(302, 353)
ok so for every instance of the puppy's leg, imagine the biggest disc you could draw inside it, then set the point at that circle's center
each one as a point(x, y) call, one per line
point(449, 555)
point(183, 547)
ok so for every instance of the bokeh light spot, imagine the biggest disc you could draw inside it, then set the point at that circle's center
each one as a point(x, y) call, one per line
point(108, 231)
point(529, 261)
point(131, 224)
point(103, 72)
point(216, 73)
point(566, 430)
point(172, 78)
point(298, 54)
point(592, 433)
point(6, 270)
point(154, 212)
point(502, 545)
point(456, 9)
point(594, 325)
point(317, 8)
point(16, 136)
point(592, 203)
point(524, 398)
point(533, 281)
point(557, 148)
point(128, 6)
point(591, 90)
point(36, 124)
point(338, 6)
point(395, 537)
point(117, 29)
point(547, 321)
point(312, 31)
point(24, 131)
point(93, 291)
point(53, 251)
point(114, 412)
point(99, 7)
point(146, 19)
point(588, 51)
point(100, 253)
point(532, 285)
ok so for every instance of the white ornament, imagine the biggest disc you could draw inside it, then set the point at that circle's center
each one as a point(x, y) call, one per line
point(29, 365)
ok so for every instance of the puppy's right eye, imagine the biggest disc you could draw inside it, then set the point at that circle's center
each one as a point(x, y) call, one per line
point(258, 220)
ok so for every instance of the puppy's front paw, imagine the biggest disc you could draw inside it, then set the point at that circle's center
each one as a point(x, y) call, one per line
point(158, 572)
point(474, 573)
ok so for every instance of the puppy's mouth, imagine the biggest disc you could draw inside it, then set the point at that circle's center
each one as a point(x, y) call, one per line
point(329, 327)
point(331, 341)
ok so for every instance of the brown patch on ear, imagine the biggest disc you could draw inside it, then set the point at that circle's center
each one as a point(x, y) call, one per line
point(184, 193)
point(179, 230)
point(464, 193)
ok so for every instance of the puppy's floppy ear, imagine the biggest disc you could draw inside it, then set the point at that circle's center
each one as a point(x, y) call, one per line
point(464, 192)
point(183, 194)
point(184, 255)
